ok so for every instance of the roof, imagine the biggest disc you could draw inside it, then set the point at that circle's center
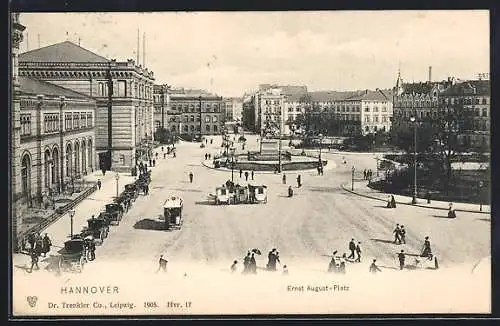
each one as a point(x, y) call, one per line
point(61, 52)
point(369, 95)
point(481, 87)
point(173, 202)
point(38, 87)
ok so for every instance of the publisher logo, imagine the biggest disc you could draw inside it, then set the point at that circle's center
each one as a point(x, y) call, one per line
point(32, 301)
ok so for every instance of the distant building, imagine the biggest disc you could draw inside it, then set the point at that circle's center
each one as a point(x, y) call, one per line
point(69, 65)
point(233, 109)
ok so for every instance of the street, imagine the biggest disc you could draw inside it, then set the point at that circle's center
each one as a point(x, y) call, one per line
point(321, 217)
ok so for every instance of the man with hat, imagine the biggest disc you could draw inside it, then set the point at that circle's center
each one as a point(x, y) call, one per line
point(374, 268)
point(401, 257)
point(426, 250)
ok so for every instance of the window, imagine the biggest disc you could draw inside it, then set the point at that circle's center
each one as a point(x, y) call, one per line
point(367, 129)
point(157, 124)
point(375, 119)
point(384, 109)
point(367, 119)
point(191, 128)
point(297, 109)
point(290, 109)
point(25, 124)
point(192, 118)
point(214, 118)
point(83, 120)
point(185, 128)
point(367, 109)
point(485, 113)
point(384, 118)
point(101, 89)
point(476, 101)
point(122, 88)
point(207, 118)
point(207, 128)
point(375, 109)
point(477, 112)
point(198, 118)
point(68, 123)
point(198, 128)
point(76, 120)
point(484, 101)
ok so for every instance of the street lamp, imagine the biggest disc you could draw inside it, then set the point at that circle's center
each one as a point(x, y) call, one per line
point(414, 197)
point(377, 159)
point(71, 215)
point(117, 177)
point(320, 145)
point(352, 178)
point(232, 164)
point(481, 184)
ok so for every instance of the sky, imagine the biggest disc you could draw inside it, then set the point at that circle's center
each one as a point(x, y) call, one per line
point(230, 53)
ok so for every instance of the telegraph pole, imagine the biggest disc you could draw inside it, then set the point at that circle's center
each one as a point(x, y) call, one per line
point(110, 115)
point(200, 117)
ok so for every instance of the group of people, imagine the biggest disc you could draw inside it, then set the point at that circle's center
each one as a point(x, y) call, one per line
point(37, 246)
point(399, 234)
point(252, 173)
point(426, 252)
point(207, 156)
point(249, 264)
point(367, 174)
point(273, 256)
point(320, 169)
point(391, 202)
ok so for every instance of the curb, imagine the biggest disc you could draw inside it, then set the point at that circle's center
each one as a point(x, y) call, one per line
point(409, 204)
point(260, 172)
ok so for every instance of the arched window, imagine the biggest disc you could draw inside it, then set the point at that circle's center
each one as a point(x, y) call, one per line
point(69, 161)
point(76, 156)
point(84, 158)
point(89, 153)
point(55, 166)
point(47, 170)
point(26, 178)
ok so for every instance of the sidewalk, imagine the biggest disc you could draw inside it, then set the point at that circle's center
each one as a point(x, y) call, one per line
point(59, 230)
point(361, 189)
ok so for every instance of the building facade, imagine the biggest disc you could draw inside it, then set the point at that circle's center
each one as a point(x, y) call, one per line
point(233, 109)
point(196, 115)
point(127, 86)
point(269, 110)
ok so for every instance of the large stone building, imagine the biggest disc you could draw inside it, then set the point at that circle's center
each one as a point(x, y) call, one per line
point(233, 108)
point(69, 65)
point(52, 139)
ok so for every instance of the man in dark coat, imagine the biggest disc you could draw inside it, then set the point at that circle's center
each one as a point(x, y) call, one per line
point(162, 264)
point(284, 179)
point(92, 249)
point(253, 264)
point(233, 266)
point(246, 263)
point(402, 233)
point(99, 184)
point(191, 177)
point(397, 234)
point(299, 181)
point(352, 248)
point(358, 251)
point(401, 257)
point(34, 260)
point(246, 175)
point(252, 174)
point(426, 249)
point(290, 191)
point(271, 256)
point(46, 244)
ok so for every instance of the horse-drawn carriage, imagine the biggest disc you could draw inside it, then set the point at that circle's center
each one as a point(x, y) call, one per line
point(124, 201)
point(98, 228)
point(237, 194)
point(114, 212)
point(258, 194)
point(73, 255)
point(172, 212)
point(132, 190)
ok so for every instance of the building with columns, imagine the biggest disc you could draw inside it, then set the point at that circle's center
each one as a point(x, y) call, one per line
point(52, 140)
point(71, 66)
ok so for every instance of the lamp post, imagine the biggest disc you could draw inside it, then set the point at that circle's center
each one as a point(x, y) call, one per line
point(71, 215)
point(352, 178)
point(414, 197)
point(232, 164)
point(117, 177)
point(481, 184)
point(377, 159)
point(320, 145)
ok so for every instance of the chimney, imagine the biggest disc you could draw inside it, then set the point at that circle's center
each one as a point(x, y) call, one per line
point(430, 74)
point(138, 48)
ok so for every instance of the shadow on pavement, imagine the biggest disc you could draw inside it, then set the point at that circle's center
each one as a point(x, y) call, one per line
point(383, 241)
point(149, 224)
point(381, 206)
point(442, 216)
point(326, 189)
point(205, 202)
point(484, 219)
point(24, 267)
point(52, 262)
point(187, 190)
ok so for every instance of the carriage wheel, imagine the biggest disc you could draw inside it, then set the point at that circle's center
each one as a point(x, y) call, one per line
point(81, 263)
point(61, 264)
point(436, 264)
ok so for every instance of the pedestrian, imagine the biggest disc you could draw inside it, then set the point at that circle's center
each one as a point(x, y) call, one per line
point(174, 154)
point(332, 266)
point(402, 233)
point(32, 240)
point(401, 257)
point(299, 183)
point(162, 149)
point(428, 197)
point(290, 191)
point(209, 156)
point(233, 266)
point(162, 264)
point(426, 249)
point(46, 244)
point(358, 251)
point(397, 234)
point(246, 175)
point(103, 171)
point(191, 177)
point(319, 170)
point(284, 179)
point(146, 189)
point(252, 174)
point(150, 161)
point(374, 268)
point(393, 201)
point(364, 174)
point(99, 184)
point(156, 154)
point(211, 141)
point(34, 260)
point(389, 202)
point(451, 211)
point(206, 156)
point(352, 248)
point(164, 155)
point(285, 270)
point(246, 263)
point(253, 264)
point(241, 172)
point(154, 162)
point(206, 140)
point(92, 249)
point(271, 263)
point(341, 269)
